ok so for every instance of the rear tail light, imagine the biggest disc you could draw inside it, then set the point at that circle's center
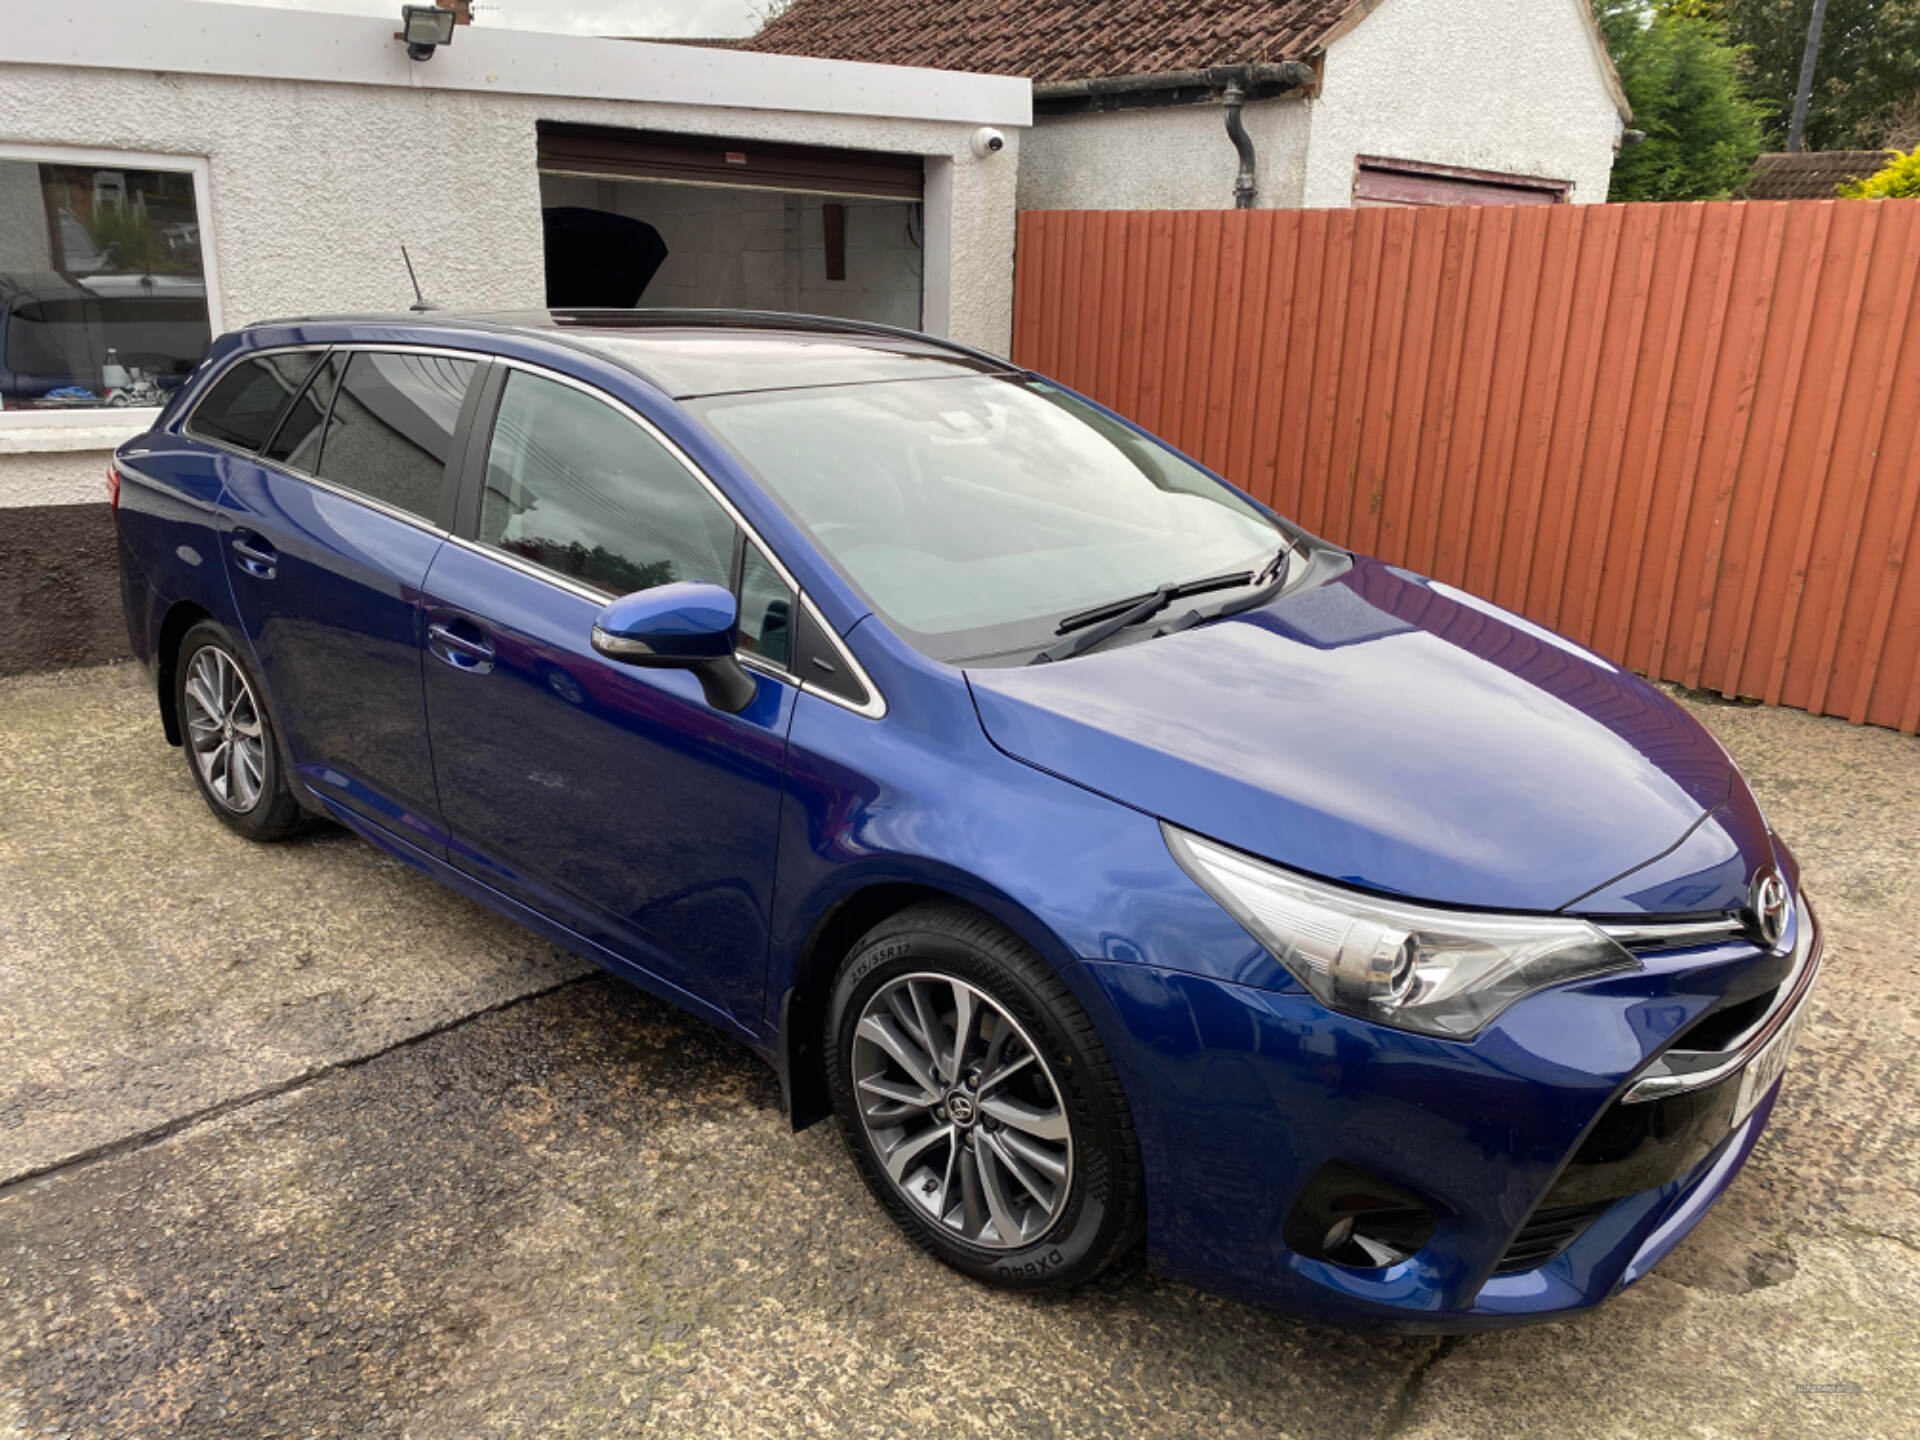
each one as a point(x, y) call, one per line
point(113, 488)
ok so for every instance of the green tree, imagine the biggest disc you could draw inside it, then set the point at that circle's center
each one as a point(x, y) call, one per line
point(1868, 78)
point(1621, 20)
point(1683, 80)
point(1899, 181)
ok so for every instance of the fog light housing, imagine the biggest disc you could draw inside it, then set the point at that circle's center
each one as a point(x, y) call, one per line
point(1350, 1217)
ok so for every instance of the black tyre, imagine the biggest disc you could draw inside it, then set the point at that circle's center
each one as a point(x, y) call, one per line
point(980, 1104)
point(228, 735)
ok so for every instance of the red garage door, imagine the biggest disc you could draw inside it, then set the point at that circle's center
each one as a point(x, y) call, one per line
point(1413, 182)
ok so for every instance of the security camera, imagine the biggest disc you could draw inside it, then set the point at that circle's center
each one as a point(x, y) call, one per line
point(988, 141)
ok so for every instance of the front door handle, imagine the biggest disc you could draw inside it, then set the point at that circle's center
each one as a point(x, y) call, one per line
point(257, 557)
point(469, 651)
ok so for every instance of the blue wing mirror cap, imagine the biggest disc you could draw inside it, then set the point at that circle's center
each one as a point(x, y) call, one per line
point(688, 625)
point(683, 625)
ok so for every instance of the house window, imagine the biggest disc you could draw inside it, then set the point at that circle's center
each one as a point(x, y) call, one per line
point(106, 287)
point(1379, 181)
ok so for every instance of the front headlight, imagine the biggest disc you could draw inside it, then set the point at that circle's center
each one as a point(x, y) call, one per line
point(1442, 972)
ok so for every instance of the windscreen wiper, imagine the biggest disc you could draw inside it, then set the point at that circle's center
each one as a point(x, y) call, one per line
point(1271, 580)
point(1094, 627)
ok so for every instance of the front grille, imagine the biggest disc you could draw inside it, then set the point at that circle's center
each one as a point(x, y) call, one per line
point(1726, 1027)
point(1546, 1234)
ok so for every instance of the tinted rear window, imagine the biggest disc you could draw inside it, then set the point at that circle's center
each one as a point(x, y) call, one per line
point(241, 409)
point(392, 426)
point(297, 442)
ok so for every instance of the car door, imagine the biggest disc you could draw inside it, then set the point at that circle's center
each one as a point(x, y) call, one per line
point(613, 799)
point(328, 540)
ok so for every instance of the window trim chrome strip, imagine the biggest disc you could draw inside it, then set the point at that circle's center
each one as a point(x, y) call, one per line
point(876, 706)
point(533, 571)
point(372, 502)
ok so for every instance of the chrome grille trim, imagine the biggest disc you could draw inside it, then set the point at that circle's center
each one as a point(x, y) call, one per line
point(1673, 934)
point(1678, 1071)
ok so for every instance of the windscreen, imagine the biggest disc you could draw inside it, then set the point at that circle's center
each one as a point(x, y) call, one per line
point(975, 513)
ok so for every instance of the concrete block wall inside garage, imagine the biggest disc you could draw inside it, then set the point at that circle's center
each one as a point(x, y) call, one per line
point(766, 249)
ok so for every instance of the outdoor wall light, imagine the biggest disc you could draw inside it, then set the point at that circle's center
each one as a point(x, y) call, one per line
point(423, 27)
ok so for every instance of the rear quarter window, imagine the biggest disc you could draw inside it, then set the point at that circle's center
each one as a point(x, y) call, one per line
point(245, 403)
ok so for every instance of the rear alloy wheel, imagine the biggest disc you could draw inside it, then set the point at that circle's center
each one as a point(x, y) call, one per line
point(224, 730)
point(979, 1102)
point(229, 737)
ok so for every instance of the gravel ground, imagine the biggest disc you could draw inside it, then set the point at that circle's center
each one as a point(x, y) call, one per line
point(295, 1142)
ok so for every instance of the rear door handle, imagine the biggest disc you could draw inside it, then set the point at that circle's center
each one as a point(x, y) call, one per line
point(461, 651)
point(257, 557)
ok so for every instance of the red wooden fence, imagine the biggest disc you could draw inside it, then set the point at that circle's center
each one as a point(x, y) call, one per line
point(1686, 435)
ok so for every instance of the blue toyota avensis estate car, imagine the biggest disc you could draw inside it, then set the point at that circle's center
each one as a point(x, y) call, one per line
point(1110, 856)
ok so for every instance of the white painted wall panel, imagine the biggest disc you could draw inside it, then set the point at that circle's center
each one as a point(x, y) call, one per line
point(1173, 157)
point(1508, 85)
point(315, 187)
point(249, 42)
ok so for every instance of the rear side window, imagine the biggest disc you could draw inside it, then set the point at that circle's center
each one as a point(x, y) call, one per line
point(392, 425)
point(297, 441)
point(241, 408)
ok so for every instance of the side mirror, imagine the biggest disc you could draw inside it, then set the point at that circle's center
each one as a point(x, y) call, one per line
point(688, 625)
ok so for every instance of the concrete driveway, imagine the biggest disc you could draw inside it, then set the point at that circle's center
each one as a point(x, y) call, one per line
point(294, 1142)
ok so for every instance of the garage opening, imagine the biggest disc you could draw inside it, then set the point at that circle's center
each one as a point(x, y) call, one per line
point(644, 218)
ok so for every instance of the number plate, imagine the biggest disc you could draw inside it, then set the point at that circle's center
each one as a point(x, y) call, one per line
point(1767, 1067)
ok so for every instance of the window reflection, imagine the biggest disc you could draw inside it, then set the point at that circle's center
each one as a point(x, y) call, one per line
point(241, 409)
point(392, 425)
point(766, 610)
point(297, 442)
point(575, 486)
point(103, 297)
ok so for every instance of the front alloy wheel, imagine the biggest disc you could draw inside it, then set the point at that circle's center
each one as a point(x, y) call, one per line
point(979, 1101)
point(962, 1110)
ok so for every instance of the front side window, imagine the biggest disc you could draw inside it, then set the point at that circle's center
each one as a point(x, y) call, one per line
point(241, 408)
point(577, 487)
point(975, 513)
point(103, 286)
point(391, 426)
point(766, 610)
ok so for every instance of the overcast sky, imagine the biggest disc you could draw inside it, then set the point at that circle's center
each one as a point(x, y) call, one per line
point(582, 17)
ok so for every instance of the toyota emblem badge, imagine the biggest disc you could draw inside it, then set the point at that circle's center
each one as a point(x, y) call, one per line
point(1768, 904)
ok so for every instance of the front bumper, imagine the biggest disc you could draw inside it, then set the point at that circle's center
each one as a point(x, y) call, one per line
point(1524, 1137)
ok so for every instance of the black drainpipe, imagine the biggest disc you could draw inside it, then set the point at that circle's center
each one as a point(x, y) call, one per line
point(1244, 188)
point(1233, 84)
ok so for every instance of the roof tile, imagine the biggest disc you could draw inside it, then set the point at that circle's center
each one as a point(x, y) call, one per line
point(1054, 39)
point(1812, 174)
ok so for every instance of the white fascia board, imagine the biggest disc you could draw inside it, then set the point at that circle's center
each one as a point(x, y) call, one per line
point(259, 42)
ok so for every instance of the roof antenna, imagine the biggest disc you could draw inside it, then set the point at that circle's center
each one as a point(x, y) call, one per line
point(419, 300)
